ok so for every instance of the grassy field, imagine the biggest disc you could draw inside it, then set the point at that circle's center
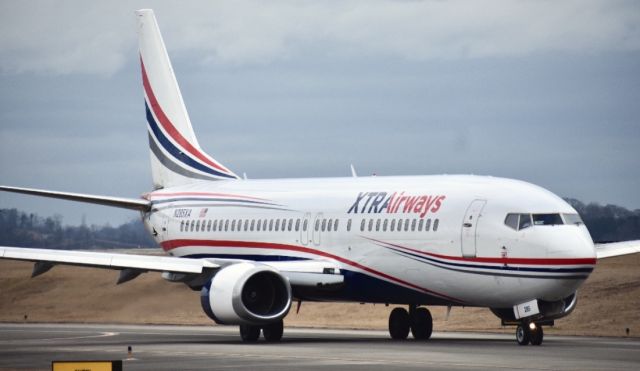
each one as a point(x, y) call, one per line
point(607, 304)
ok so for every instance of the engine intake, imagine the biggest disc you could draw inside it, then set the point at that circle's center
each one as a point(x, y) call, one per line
point(246, 293)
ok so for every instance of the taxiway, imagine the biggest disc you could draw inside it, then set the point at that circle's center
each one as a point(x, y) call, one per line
point(34, 346)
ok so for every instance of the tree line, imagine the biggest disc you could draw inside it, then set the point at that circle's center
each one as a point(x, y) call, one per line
point(606, 223)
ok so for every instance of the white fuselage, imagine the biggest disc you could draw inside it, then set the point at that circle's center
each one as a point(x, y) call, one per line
point(466, 256)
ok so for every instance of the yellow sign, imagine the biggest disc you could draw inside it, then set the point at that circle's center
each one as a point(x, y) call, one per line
point(86, 365)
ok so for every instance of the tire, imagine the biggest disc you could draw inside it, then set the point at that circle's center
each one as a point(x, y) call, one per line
point(273, 331)
point(399, 324)
point(421, 324)
point(249, 333)
point(523, 335)
point(537, 336)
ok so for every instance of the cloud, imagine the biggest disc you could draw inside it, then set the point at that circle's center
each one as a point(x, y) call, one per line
point(97, 38)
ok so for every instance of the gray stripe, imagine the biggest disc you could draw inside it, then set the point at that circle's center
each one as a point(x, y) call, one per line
point(164, 160)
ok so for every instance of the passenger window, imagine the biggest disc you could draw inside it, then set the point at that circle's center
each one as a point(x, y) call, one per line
point(290, 224)
point(384, 225)
point(304, 225)
point(420, 223)
point(198, 226)
point(324, 224)
point(511, 221)
point(297, 225)
point(317, 226)
point(226, 225)
point(525, 221)
point(427, 225)
point(258, 225)
point(378, 225)
point(246, 225)
point(215, 225)
point(413, 225)
point(264, 225)
point(399, 225)
point(233, 225)
point(370, 225)
point(209, 226)
point(270, 225)
point(362, 225)
point(349, 225)
point(335, 224)
point(193, 225)
point(277, 224)
point(435, 224)
point(406, 225)
point(393, 225)
point(253, 224)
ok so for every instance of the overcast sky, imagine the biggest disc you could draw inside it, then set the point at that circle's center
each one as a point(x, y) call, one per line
point(543, 91)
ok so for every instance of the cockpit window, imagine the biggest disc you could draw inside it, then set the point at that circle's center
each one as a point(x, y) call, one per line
point(525, 221)
point(511, 221)
point(518, 221)
point(572, 219)
point(547, 219)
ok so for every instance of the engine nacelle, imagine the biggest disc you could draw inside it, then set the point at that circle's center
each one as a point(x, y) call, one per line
point(246, 293)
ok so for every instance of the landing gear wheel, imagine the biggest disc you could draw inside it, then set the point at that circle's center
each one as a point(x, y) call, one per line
point(421, 324)
point(273, 331)
point(249, 333)
point(399, 324)
point(537, 335)
point(523, 335)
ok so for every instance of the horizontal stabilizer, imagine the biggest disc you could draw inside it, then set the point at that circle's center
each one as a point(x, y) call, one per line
point(126, 203)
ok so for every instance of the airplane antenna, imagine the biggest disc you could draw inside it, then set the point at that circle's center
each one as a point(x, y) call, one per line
point(353, 171)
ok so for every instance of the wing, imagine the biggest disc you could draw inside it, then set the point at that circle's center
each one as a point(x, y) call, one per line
point(126, 203)
point(193, 272)
point(608, 250)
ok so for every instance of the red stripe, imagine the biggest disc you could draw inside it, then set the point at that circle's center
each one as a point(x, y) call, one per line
point(154, 194)
point(501, 260)
point(168, 126)
point(172, 244)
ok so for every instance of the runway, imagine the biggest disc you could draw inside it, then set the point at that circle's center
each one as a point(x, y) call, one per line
point(34, 346)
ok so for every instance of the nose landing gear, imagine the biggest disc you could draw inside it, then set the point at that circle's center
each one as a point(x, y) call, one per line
point(417, 320)
point(529, 333)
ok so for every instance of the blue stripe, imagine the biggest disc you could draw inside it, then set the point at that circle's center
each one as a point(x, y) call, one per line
point(261, 258)
point(500, 268)
point(176, 152)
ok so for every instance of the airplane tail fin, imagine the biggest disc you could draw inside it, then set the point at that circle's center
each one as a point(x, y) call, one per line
point(176, 156)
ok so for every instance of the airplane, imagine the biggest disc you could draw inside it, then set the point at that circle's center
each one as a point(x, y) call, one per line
point(253, 247)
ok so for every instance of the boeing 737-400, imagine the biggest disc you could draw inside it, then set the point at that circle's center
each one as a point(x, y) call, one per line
point(252, 247)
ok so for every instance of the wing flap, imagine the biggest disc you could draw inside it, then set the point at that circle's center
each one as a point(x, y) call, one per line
point(608, 250)
point(109, 260)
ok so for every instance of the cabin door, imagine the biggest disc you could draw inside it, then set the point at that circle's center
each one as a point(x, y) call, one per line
point(470, 228)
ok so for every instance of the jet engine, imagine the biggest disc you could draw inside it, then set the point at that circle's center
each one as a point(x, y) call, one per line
point(246, 293)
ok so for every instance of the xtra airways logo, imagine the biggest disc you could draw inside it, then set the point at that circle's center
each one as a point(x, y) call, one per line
point(378, 202)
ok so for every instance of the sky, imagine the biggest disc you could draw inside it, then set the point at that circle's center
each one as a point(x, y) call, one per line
point(543, 91)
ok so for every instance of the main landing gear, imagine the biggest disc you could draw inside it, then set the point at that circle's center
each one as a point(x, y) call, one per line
point(417, 320)
point(271, 332)
point(529, 333)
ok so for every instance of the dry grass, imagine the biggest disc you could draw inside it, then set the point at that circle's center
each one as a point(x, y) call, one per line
point(607, 304)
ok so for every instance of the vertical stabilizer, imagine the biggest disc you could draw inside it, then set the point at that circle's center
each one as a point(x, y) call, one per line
point(176, 157)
